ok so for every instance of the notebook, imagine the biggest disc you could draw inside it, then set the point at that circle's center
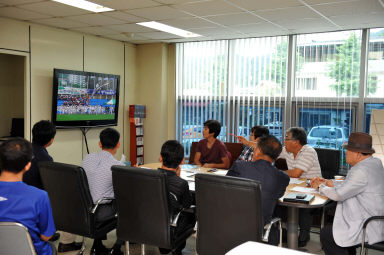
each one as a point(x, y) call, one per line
point(299, 198)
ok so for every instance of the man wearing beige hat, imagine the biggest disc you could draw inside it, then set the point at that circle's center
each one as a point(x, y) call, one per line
point(359, 196)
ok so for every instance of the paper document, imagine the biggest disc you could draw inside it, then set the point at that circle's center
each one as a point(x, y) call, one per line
point(221, 172)
point(295, 181)
point(187, 176)
point(191, 186)
point(305, 190)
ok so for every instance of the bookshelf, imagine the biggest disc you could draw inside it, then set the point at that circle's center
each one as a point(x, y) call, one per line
point(136, 123)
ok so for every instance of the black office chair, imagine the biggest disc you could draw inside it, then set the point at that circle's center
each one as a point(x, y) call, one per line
point(71, 201)
point(229, 213)
point(329, 160)
point(365, 246)
point(15, 239)
point(143, 209)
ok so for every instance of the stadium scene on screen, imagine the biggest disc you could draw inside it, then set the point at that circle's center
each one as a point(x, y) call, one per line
point(83, 97)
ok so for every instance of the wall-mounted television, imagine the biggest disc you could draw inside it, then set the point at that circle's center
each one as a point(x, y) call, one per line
point(84, 99)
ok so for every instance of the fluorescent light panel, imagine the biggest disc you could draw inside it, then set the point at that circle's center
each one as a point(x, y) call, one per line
point(168, 29)
point(86, 5)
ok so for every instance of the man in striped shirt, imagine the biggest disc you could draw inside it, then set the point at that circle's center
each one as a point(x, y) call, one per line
point(302, 162)
point(97, 166)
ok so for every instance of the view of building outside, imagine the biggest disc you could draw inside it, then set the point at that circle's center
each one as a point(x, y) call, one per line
point(375, 81)
point(328, 64)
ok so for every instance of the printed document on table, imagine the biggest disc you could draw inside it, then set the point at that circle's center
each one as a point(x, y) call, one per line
point(221, 172)
point(305, 190)
point(295, 181)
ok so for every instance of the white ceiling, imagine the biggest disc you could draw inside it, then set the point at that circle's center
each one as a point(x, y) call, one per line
point(213, 19)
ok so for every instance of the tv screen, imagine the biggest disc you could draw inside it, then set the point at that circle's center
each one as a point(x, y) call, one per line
point(84, 99)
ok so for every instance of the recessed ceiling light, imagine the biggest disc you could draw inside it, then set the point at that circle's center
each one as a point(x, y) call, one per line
point(86, 5)
point(168, 29)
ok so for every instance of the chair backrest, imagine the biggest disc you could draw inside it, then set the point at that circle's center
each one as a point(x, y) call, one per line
point(70, 198)
point(192, 153)
point(234, 148)
point(329, 160)
point(229, 213)
point(15, 239)
point(142, 205)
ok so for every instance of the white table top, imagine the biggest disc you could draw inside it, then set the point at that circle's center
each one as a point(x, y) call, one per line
point(251, 248)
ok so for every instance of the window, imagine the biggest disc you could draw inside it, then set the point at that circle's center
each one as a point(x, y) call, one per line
point(375, 77)
point(245, 82)
point(333, 60)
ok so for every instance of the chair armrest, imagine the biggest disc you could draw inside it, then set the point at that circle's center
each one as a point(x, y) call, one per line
point(94, 208)
point(365, 229)
point(187, 210)
point(371, 219)
point(268, 230)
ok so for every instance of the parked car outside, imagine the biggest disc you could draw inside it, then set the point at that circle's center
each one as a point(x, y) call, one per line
point(327, 137)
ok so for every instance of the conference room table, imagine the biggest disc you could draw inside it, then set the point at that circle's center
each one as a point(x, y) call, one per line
point(250, 248)
point(296, 185)
point(299, 186)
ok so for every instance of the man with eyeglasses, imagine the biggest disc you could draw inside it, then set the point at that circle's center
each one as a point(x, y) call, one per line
point(302, 162)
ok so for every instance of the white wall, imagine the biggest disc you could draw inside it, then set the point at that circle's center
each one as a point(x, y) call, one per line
point(146, 72)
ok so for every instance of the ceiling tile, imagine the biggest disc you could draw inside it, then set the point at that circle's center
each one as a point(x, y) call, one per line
point(96, 19)
point(95, 30)
point(54, 9)
point(375, 19)
point(349, 8)
point(188, 23)
point(158, 13)
point(253, 5)
point(313, 23)
point(126, 4)
point(215, 31)
point(311, 2)
point(301, 12)
point(179, 1)
point(256, 28)
point(124, 16)
point(132, 28)
point(159, 35)
point(21, 14)
point(16, 2)
point(119, 37)
point(234, 19)
point(60, 22)
point(208, 8)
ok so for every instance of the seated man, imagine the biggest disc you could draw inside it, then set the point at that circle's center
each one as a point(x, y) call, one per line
point(20, 202)
point(43, 134)
point(256, 133)
point(171, 157)
point(302, 162)
point(97, 166)
point(359, 196)
point(273, 181)
point(211, 152)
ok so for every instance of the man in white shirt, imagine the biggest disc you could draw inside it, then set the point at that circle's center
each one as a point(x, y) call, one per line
point(97, 166)
point(359, 196)
point(302, 162)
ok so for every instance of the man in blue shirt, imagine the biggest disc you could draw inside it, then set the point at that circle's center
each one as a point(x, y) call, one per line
point(20, 202)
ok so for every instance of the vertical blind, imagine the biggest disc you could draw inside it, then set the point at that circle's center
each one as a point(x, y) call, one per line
point(240, 83)
point(337, 78)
